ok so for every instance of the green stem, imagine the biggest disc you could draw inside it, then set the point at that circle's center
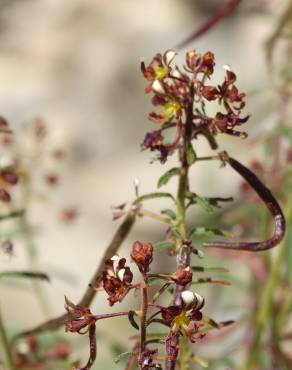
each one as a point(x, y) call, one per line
point(5, 346)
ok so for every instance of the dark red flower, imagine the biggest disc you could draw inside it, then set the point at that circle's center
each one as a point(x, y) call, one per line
point(4, 196)
point(78, 317)
point(183, 318)
point(117, 279)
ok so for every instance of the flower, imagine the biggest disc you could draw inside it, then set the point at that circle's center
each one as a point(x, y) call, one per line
point(78, 317)
point(117, 279)
point(142, 255)
point(180, 318)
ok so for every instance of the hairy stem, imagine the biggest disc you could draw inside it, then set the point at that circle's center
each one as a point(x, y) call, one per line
point(184, 251)
point(143, 329)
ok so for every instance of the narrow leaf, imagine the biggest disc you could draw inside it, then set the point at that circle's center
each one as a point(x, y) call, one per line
point(163, 180)
point(191, 155)
point(159, 246)
point(211, 281)
point(203, 202)
point(153, 196)
point(208, 269)
point(121, 356)
point(207, 231)
point(25, 274)
point(170, 213)
point(199, 360)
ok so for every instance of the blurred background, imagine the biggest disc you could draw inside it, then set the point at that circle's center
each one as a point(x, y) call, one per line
point(76, 65)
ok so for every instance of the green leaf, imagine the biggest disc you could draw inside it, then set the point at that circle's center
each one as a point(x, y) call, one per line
point(207, 231)
point(25, 274)
point(208, 269)
point(153, 196)
point(201, 201)
point(211, 281)
point(122, 356)
point(191, 155)
point(166, 244)
point(199, 360)
point(167, 176)
point(170, 213)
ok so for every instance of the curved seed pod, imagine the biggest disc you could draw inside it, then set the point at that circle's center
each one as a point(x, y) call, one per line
point(271, 203)
point(219, 16)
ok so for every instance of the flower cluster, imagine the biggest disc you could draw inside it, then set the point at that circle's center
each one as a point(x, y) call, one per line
point(116, 281)
point(175, 89)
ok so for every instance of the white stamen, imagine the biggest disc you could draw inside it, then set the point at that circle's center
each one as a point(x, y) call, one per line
point(176, 73)
point(6, 161)
point(227, 67)
point(158, 87)
point(115, 257)
point(200, 300)
point(169, 56)
point(188, 297)
point(121, 274)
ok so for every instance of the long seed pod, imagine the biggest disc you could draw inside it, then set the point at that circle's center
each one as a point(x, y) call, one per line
point(220, 15)
point(271, 203)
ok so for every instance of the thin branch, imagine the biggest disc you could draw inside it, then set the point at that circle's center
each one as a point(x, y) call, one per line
point(211, 23)
point(271, 203)
point(118, 238)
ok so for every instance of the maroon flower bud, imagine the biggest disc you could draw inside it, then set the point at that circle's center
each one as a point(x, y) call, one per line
point(10, 177)
point(207, 64)
point(61, 350)
point(32, 343)
point(191, 59)
point(4, 196)
point(182, 276)
point(7, 247)
point(51, 179)
point(142, 255)
point(39, 129)
point(3, 122)
point(69, 214)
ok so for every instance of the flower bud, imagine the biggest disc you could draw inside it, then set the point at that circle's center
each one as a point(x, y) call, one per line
point(182, 276)
point(142, 255)
point(10, 177)
point(4, 196)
